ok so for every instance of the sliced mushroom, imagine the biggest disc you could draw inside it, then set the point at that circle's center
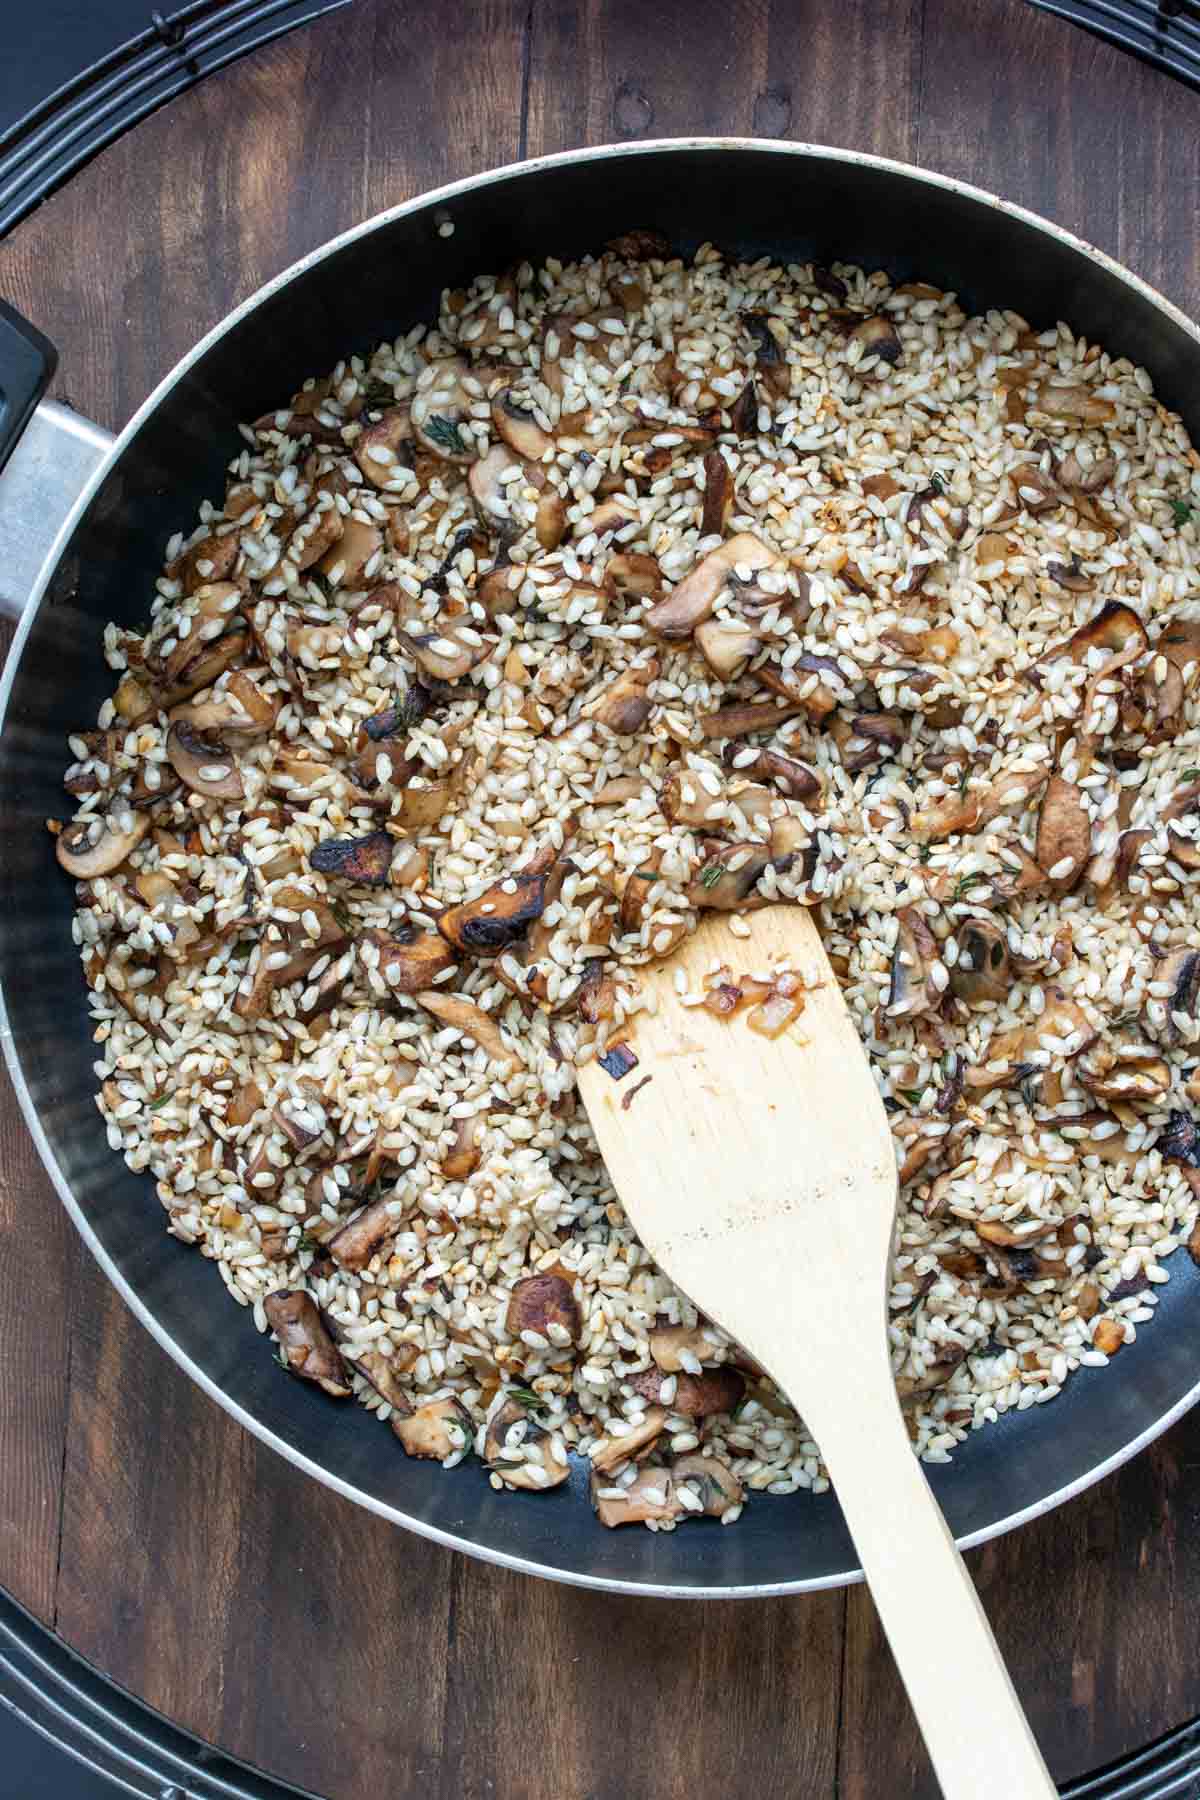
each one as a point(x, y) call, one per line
point(1073, 401)
point(488, 490)
point(366, 861)
point(1007, 1056)
point(439, 1429)
point(242, 707)
point(440, 406)
point(770, 361)
point(878, 337)
point(362, 1236)
point(633, 572)
point(1064, 834)
point(463, 1157)
point(1149, 707)
point(384, 447)
point(611, 515)
point(728, 879)
point(684, 800)
point(512, 1461)
point(648, 1498)
point(794, 780)
point(445, 654)
point(540, 1301)
point(817, 698)
point(473, 1022)
point(912, 990)
point(982, 971)
point(519, 428)
point(712, 1480)
point(501, 915)
point(380, 1370)
point(97, 846)
point(1097, 475)
point(203, 764)
point(349, 562)
point(968, 812)
point(411, 963)
point(668, 1343)
point(910, 1388)
point(693, 600)
point(610, 1452)
point(624, 705)
point(310, 1351)
point(745, 718)
point(1127, 1073)
point(718, 495)
point(696, 1396)
point(1179, 974)
point(1179, 642)
point(1037, 492)
point(211, 559)
point(726, 645)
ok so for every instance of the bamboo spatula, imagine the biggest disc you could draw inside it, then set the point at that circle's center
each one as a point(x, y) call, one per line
point(760, 1175)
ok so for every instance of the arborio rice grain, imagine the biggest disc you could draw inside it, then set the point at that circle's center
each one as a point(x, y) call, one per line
point(633, 587)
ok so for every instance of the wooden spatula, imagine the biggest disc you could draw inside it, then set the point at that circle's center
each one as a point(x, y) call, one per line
point(761, 1176)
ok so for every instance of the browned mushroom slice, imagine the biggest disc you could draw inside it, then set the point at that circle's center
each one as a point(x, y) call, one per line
point(745, 718)
point(669, 1343)
point(410, 963)
point(242, 707)
point(728, 879)
point(878, 337)
point(1127, 1073)
point(521, 1451)
point(815, 682)
point(968, 812)
point(1183, 801)
point(489, 492)
point(648, 1498)
point(1179, 642)
point(446, 654)
point(912, 989)
point(383, 447)
point(910, 1388)
point(440, 407)
point(1036, 491)
point(206, 648)
point(867, 737)
point(1177, 981)
point(1097, 475)
point(639, 245)
point(473, 1022)
point(727, 644)
point(693, 600)
point(211, 559)
point(97, 846)
point(439, 1429)
point(203, 764)
point(307, 1346)
point(1064, 834)
point(982, 971)
point(770, 361)
point(519, 428)
point(379, 1369)
point(243, 1104)
point(1115, 629)
point(612, 514)
point(711, 1480)
point(610, 1452)
point(540, 1302)
point(685, 800)
point(1006, 1059)
point(596, 994)
point(1073, 401)
point(718, 495)
point(363, 860)
point(348, 564)
point(1019, 874)
point(624, 705)
point(1150, 707)
point(880, 487)
point(795, 780)
point(633, 572)
point(696, 1396)
point(362, 1236)
point(501, 915)
point(464, 1155)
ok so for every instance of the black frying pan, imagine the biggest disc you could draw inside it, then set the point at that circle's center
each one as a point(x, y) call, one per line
point(793, 201)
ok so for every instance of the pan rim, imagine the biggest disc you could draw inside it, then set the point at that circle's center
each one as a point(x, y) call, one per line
point(428, 201)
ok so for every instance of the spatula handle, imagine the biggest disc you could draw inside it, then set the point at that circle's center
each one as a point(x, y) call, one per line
point(974, 1728)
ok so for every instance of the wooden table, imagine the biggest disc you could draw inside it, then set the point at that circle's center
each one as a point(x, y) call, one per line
point(157, 1537)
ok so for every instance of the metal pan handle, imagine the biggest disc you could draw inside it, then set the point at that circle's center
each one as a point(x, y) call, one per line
point(47, 454)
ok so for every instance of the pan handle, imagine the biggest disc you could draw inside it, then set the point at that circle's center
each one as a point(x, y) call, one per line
point(47, 453)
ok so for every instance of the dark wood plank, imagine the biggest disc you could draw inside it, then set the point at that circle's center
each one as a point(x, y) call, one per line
point(606, 70)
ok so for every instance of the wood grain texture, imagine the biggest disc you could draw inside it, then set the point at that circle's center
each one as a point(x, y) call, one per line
point(273, 1618)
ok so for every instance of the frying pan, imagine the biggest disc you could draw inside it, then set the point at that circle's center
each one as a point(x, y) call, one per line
point(83, 521)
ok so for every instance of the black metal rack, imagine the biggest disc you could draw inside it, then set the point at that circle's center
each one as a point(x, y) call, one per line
point(1163, 33)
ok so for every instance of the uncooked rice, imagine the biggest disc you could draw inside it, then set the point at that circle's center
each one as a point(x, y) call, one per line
point(964, 599)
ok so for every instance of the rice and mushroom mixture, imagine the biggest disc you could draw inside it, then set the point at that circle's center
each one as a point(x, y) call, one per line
point(633, 588)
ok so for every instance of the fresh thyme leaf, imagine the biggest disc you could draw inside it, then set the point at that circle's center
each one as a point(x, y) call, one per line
point(1181, 510)
point(937, 482)
point(711, 874)
point(1190, 775)
point(966, 882)
point(243, 951)
point(163, 1100)
point(304, 1242)
point(924, 852)
point(445, 433)
point(962, 782)
point(912, 1095)
point(527, 1397)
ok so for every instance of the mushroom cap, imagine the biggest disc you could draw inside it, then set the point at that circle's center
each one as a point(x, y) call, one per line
point(95, 846)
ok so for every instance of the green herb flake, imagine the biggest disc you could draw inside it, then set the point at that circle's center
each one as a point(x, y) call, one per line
point(924, 852)
point(243, 951)
point(342, 915)
point(526, 1397)
point(937, 482)
point(914, 1096)
point(1181, 511)
point(163, 1100)
point(1190, 775)
point(445, 433)
point(710, 874)
point(965, 883)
